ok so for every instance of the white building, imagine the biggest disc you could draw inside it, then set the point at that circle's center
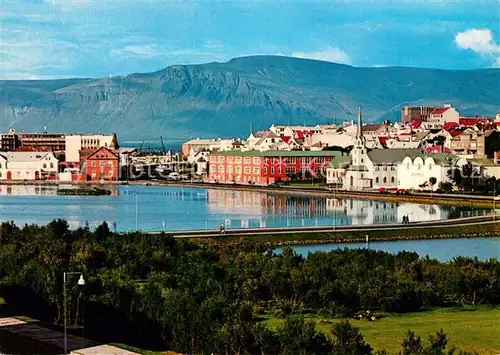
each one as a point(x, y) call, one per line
point(415, 172)
point(264, 140)
point(440, 116)
point(28, 166)
point(77, 142)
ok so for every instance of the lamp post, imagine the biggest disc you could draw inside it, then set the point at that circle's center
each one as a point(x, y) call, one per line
point(81, 282)
point(136, 210)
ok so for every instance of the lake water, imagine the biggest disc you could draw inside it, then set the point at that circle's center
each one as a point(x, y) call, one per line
point(156, 208)
point(440, 249)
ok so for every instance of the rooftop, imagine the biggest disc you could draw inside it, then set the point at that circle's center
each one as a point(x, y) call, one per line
point(281, 153)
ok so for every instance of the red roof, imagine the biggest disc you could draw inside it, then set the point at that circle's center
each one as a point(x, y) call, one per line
point(437, 149)
point(438, 111)
point(448, 126)
point(455, 133)
point(415, 123)
point(286, 139)
point(383, 140)
point(300, 134)
point(472, 121)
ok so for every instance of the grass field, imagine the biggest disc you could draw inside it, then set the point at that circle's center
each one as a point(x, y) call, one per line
point(467, 329)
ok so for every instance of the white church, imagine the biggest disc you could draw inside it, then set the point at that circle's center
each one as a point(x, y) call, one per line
point(401, 168)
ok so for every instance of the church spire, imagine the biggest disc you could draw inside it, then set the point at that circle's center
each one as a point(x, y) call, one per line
point(359, 132)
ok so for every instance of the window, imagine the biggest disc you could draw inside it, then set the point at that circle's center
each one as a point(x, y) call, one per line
point(256, 160)
point(362, 160)
point(272, 170)
point(256, 171)
point(230, 169)
point(377, 180)
point(44, 166)
point(103, 164)
point(247, 170)
point(265, 170)
point(220, 159)
point(430, 166)
point(220, 169)
point(213, 158)
point(52, 165)
point(290, 170)
point(237, 169)
point(247, 161)
point(230, 159)
point(0, 165)
point(385, 180)
point(376, 168)
point(385, 168)
point(237, 160)
point(392, 179)
point(213, 167)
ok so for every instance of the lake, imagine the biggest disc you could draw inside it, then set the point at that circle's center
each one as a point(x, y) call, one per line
point(440, 249)
point(156, 208)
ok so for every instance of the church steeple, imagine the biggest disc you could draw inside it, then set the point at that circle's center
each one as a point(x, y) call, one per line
point(360, 141)
point(359, 132)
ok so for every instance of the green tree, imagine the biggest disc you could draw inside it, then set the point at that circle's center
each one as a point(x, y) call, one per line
point(348, 340)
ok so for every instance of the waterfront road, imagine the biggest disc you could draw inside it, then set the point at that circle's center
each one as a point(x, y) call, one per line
point(457, 222)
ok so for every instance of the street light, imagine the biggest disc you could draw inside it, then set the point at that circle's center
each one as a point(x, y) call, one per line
point(136, 210)
point(81, 282)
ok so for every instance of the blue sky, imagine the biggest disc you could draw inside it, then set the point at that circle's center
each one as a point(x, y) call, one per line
point(97, 38)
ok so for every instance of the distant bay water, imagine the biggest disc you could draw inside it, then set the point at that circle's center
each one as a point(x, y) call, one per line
point(154, 144)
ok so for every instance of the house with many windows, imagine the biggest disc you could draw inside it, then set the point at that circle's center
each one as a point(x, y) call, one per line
point(102, 165)
point(266, 167)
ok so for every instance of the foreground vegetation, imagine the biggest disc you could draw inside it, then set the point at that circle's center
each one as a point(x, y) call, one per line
point(468, 328)
point(156, 292)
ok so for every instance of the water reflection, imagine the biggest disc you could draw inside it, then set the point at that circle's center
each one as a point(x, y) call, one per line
point(271, 209)
point(179, 208)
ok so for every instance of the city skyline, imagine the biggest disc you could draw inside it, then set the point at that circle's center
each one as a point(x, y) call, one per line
point(88, 38)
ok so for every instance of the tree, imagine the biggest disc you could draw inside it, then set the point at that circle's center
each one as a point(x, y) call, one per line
point(445, 186)
point(412, 345)
point(432, 181)
point(348, 340)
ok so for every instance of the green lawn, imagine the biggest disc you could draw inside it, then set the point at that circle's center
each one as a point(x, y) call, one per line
point(473, 330)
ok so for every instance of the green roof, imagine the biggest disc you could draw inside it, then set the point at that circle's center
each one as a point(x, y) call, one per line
point(282, 153)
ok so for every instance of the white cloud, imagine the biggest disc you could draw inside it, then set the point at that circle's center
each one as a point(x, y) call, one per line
point(143, 51)
point(329, 54)
point(480, 41)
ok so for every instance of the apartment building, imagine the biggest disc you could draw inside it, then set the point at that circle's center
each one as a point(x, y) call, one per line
point(75, 143)
point(416, 113)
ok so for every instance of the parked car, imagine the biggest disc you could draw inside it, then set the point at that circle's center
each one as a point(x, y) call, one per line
point(273, 185)
point(402, 192)
point(174, 176)
point(382, 190)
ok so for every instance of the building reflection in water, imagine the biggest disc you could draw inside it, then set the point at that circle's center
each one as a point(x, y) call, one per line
point(45, 190)
point(249, 208)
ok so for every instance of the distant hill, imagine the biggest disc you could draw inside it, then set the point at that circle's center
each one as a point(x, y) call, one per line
point(224, 99)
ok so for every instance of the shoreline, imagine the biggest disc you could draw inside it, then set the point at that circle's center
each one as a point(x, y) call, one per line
point(424, 198)
point(458, 231)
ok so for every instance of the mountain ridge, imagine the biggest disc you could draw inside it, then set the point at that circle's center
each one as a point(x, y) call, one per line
point(224, 99)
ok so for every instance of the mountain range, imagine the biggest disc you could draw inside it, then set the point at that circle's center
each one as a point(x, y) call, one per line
point(230, 99)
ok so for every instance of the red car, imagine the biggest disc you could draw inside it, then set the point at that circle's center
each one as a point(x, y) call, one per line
point(381, 190)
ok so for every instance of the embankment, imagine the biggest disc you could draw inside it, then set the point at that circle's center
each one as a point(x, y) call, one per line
point(469, 230)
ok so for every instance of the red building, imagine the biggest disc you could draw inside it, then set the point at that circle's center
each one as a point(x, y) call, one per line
point(101, 165)
point(263, 168)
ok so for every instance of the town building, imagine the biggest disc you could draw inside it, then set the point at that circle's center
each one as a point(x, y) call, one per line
point(469, 142)
point(415, 172)
point(265, 167)
point(102, 165)
point(28, 166)
point(416, 113)
point(75, 143)
point(265, 140)
point(194, 145)
point(9, 142)
point(14, 141)
point(441, 116)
